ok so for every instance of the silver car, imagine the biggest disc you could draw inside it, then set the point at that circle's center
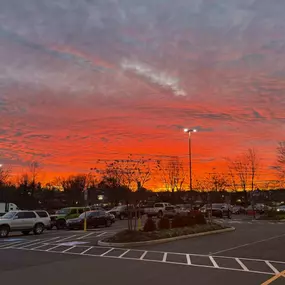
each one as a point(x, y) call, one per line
point(25, 222)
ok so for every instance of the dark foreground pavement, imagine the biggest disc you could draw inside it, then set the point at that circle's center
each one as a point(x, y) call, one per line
point(252, 254)
point(50, 268)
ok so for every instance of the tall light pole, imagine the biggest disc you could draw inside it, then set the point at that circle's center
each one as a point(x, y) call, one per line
point(190, 131)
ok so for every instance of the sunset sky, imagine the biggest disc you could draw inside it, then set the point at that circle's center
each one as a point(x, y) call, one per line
point(89, 79)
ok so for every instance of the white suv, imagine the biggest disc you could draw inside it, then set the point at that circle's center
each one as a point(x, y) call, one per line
point(25, 222)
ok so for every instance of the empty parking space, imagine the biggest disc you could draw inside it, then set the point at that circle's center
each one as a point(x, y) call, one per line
point(246, 265)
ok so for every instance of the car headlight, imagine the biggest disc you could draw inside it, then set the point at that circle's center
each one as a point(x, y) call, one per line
point(278, 210)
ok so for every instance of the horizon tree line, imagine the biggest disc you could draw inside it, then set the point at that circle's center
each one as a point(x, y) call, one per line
point(134, 173)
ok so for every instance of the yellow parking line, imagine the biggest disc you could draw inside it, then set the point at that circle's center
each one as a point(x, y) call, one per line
point(281, 274)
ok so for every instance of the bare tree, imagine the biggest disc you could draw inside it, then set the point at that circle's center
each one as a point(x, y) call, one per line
point(202, 184)
point(232, 176)
point(34, 170)
point(173, 174)
point(74, 185)
point(239, 167)
point(280, 167)
point(217, 181)
point(244, 169)
point(5, 175)
point(131, 172)
point(253, 165)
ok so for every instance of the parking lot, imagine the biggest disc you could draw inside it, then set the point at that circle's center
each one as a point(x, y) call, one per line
point(252, 254)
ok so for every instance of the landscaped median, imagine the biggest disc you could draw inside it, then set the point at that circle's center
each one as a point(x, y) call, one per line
point(182, 228)
point(273, 216)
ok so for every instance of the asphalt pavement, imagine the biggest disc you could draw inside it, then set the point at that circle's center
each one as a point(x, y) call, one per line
point(252, 254)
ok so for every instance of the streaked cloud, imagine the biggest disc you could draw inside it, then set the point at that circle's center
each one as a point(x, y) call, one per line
point(160, 78)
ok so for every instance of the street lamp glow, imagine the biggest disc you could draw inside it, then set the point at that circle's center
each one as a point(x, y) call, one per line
point(190, 130)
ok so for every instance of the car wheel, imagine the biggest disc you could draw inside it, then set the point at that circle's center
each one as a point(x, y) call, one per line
point(121, 216)
point(38, 229)
point(4, 231)
point(60, 224)
point(25, 232)
point(108, 223)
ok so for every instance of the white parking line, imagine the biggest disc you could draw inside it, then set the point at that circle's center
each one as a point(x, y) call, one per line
point(188, 259)
point(272, 267)
point(82, 237)
point(214, 264)
point(124, 253)
point(241, 264)
point(143, 255)
point(85, 251)
point(69, 237)
point(247, 244)
point(41, 241)
point(214, 261)
point(54, 247)
point(101, 234)
point(5, 245)
point(103, 254)
point(37, 247)
point(25, 243)
point(70, 248)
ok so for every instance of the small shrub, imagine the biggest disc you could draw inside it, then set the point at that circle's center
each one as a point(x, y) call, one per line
point(164, 223)
point(190, 221)
point(149, 225)
point(200, 219)
point(179, 222)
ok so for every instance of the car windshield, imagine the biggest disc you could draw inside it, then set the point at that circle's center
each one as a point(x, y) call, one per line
point(217, 206)
point(169, 208)
point(82, 216)
point(9, 215)
point(64, 211)
point(118, 208)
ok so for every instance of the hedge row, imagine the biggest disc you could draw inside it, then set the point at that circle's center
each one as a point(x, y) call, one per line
point(178, 222)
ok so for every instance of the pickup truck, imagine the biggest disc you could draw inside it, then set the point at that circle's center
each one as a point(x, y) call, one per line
point(158, 209)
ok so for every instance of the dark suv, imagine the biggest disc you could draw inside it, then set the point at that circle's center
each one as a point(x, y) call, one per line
point(218, 210)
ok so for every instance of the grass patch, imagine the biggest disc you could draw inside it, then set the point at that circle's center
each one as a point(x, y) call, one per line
point(136, 236)
point(272, 218)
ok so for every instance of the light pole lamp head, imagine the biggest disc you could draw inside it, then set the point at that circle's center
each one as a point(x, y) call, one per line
point(190, 130)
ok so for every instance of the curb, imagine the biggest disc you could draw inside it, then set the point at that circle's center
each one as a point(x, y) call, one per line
point(164, 240)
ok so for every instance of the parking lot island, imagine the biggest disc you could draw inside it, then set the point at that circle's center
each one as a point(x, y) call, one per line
point(127, 238)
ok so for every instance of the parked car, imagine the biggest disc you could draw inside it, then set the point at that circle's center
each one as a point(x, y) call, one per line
point(24, 221)
point(96, 208)
point(170, 211)
point(219, 210)
point(257, 208)
point(281, 209)
point(93, 220)
point(238, 210)
point(123, 211)
point(7, 207)
point(158, 209)
point(44, 215)
point(60, 217)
